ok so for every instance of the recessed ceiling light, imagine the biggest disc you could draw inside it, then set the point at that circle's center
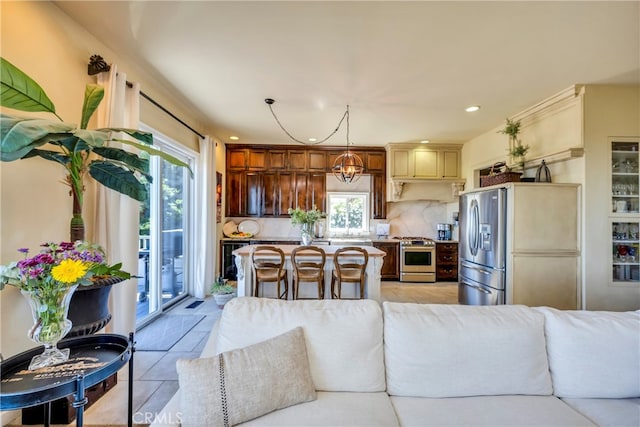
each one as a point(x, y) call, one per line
point(234, 138)
point(424, 141)
point(472, 108)
point(313, 139)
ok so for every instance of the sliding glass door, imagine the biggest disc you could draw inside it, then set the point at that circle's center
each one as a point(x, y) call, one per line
point(165, 224)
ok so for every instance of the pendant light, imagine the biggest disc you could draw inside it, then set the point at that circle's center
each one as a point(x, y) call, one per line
point(347, 167)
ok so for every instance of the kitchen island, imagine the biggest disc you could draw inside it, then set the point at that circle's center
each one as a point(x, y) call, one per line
point(372, 278)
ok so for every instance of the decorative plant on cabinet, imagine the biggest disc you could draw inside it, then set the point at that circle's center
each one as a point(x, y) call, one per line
point(517, 151)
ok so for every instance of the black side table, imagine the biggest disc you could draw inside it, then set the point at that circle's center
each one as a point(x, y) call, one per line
point(92, 359)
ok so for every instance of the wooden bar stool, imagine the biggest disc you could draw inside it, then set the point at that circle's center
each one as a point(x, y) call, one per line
point(267, 263)
point(306, 270)
point(350, 264)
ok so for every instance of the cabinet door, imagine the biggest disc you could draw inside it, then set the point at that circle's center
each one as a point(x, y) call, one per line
point(316, 191)
point(257, 160)
point(254, 194)
point(375, 162)
point(298, 160)
point(318, 161)
point(300, 199)
point(379, 196)
point(390, 265)
point(401, 166)
point(270, 190)
point(236, 186)
point(425, 164)
point(236, 159)
point(277, 159)
point(284, 191)
point(449, 164)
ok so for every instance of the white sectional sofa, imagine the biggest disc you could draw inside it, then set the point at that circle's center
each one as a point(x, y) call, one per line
point(445, 365)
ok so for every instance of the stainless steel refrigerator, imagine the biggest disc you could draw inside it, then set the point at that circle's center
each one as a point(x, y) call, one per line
point(482, 247)
point(520, 244)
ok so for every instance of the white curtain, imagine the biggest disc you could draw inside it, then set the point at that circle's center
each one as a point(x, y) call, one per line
point(117, 215)
point(205, 218)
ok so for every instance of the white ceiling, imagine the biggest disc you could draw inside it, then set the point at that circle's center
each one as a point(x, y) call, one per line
point(407, 69)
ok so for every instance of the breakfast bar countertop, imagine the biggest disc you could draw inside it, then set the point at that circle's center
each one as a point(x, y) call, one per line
point(372, 285)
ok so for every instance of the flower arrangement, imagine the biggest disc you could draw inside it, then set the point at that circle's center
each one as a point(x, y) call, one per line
point(58, 265)
point(300, 216)
point(48, 280)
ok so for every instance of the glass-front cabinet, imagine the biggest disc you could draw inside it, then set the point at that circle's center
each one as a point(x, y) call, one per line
point(624, 177)
point(625, 206)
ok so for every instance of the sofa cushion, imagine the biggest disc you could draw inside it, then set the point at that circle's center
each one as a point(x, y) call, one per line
point(449, 351)
point(344, 338)
point(593, 354)
point(335, 409)
point(488, 411)
point(245, 383)
point(608, 412)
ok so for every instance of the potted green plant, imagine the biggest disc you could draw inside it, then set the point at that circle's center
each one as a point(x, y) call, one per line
point(517, 151)
point(78, 150)
point(222, 292)
point(307, 221)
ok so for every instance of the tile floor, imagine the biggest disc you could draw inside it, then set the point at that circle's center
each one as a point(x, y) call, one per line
point(155, 377)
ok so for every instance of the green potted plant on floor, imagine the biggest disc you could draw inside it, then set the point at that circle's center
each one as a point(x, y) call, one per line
point(222, 292)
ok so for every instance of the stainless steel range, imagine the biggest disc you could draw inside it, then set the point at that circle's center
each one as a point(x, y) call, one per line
point(417, 259)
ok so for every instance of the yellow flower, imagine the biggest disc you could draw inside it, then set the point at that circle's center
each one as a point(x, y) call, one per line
point(69, 271)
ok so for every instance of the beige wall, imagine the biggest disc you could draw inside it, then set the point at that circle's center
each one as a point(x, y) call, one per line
point(34, 206)
point(586, 118)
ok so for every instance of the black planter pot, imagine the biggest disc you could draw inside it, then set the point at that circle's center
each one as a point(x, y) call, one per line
point(89, 309)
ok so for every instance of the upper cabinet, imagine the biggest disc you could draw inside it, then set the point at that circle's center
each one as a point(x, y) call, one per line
point(266, 181)
point(408, 162)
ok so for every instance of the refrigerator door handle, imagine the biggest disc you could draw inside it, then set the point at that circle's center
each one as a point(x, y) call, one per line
point(479, 270)
point(477, 288)
point(474, 228)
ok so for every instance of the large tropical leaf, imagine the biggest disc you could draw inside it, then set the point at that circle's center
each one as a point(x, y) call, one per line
point(18, 135)
point(54, 156)
point(119, 179)
point(130, 159)
point(145, 137)
point(20, 92)
point(93, 138)
point(93, 95)
point(154, 152)
point(73, 144)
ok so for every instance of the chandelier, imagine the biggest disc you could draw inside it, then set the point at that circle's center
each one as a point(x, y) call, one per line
point(347, 167)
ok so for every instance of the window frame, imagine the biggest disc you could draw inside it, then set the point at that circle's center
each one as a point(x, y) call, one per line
point(366, 212)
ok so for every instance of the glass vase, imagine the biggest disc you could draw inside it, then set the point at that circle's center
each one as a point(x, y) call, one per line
point(49, 308)
point(307, 234)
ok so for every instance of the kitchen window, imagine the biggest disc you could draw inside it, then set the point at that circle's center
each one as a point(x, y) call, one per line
point(347, 213)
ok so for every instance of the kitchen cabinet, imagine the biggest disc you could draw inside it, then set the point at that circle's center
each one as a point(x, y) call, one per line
point(429, 163)
point(625, 225)
point(267, 182)
point(390, 263)
point(446, 261)
point(378, 196)
point(625, 177)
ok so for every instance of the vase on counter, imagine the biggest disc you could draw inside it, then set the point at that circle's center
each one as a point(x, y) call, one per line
point(306, 233)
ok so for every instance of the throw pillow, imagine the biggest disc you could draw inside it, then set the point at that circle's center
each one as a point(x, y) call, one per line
point(242, 384)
